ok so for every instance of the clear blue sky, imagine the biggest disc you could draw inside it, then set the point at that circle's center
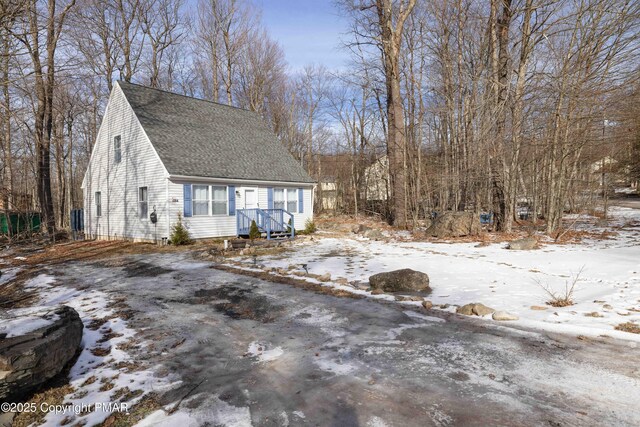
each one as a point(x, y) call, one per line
point(309, 31)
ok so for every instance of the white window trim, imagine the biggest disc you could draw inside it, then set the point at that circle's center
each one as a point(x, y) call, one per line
point(210, 200)
point(146, 217)
point(286, 198)
point(226, 201)
point(194, 200)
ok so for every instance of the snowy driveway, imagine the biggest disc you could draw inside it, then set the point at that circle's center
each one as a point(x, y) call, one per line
point(241, 351)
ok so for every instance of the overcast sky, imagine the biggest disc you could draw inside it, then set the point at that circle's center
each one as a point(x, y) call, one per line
point(309, 31)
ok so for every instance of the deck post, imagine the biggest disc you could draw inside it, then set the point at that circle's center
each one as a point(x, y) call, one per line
point(268, 219)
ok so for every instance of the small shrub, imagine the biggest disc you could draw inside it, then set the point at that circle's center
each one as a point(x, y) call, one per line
point(310, 227)
point(179, 233)
point(562, 298)
point(254, 231)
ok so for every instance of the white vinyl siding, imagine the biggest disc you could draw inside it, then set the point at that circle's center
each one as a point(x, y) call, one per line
point(209, 226)
point(143, 202)
point(200, 200)
point(119, 183)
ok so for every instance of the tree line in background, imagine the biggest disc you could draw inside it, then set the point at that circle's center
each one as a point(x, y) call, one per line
point(445, 105)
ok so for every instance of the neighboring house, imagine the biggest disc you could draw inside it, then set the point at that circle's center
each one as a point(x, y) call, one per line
point(328, 192)
point(216, 165)
point(377, 180)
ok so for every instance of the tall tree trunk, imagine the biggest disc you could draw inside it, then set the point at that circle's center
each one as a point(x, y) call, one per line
point(391, 39)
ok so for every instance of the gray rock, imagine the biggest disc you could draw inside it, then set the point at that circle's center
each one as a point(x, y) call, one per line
point(326, 277)
point(373, 234)
point(455, 224)
point(503, 315)
point(427, 304)
point(360, 228)
point(400, 280)
point(29, 360)
point(474, 309)
point(525, 244)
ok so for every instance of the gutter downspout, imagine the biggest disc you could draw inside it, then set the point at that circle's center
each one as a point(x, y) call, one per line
point(168, 205)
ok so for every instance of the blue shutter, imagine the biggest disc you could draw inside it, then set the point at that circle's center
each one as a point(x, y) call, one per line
point(187, 200)
point(300, 200)
point(232, 199)
point(270, 198)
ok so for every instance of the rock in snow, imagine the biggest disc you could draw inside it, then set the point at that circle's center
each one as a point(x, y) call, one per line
point(400, 280)
point(475, 309)
point(525, 244)
point(455, 224)
point(326, 277)
point(29, 360)
point(503, 315)
point(374, 234)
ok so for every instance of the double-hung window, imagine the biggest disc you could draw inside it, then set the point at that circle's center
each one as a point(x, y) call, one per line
point(98, 203)
point(292, 200)
point(117, 149)
point(200, 200)
point(285, 198)
point(143, 202)
point(278, 198)
point(219, 200)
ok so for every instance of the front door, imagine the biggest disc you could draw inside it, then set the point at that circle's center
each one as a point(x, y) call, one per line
point(250, 200)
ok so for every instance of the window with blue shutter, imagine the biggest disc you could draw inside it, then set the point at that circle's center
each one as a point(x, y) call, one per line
point(232, 200)
point(300, 200)
point(187, 200)
point(270, 198)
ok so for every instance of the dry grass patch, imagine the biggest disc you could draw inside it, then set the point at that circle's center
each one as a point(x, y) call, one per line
point(101, 351)
point(137, 413)
point(593, 314)
point(628, 327)
point(52, 396)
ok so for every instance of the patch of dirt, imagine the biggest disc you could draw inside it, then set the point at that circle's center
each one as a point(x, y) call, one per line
point(144, 269)
point(287, 280)
point(240, 303)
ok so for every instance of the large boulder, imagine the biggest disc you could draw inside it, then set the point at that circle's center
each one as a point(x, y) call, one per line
point(525, 244)
point(360, 228)
point(29, 359)
point(373, 234)
point(455, 224)
point(400, 280)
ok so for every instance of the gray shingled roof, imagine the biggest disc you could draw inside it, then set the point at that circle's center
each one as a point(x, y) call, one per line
point(194, 137)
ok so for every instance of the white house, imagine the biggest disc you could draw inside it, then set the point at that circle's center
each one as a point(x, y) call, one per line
point(218, 166)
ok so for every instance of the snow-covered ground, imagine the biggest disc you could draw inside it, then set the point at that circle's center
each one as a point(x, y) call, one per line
point(103, 372)
point(607, 291)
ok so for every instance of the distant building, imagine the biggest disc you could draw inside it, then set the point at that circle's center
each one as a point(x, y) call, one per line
point(328, 193)
point(377, 181)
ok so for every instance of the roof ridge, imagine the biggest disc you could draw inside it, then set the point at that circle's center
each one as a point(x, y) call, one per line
point(187, 96)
